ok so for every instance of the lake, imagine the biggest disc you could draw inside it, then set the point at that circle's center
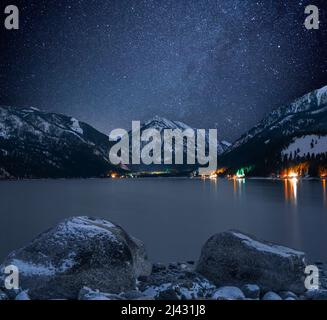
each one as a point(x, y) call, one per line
point(173, 216)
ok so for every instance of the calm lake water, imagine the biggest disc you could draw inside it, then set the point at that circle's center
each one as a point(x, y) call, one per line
point(174, 217)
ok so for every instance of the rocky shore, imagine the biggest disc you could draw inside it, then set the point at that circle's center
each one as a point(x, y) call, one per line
point(93, 259)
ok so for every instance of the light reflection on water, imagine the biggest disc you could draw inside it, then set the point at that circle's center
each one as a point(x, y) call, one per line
point(324, 191)
point(174, 217)
point(291, 190)
point(238, 187)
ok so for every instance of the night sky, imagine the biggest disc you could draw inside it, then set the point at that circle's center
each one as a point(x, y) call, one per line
point(208, 63)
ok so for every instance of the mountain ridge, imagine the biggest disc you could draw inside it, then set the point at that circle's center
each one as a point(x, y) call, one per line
point(161, 124)
point(36, 144)
point(299, 105)
point(262, 146)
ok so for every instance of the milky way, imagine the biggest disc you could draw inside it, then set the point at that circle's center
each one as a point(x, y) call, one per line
point(210, 63)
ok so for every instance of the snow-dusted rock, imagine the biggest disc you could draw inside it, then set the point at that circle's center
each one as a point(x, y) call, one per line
point(251, 291)
point(271, 296)
point(288, 294)
point(135, 295)
point(3, 296)
point(11, 294)
point(228, 293)
point(80, 252)
point(179, 290)
point(167, 293)
point(89, 294)
point(232, 258)
point(23, 296)
point(178, 281)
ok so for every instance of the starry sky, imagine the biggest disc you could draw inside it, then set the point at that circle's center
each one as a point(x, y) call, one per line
point(209, 63)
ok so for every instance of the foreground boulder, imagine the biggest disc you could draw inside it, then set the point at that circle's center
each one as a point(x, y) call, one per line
point(228, 293)
point(251, 291)
point(80, 252)
point(285, 295)
point(3, 296)
point(177, 281)
point(232, 258)
point(23, 296)
point(89, 294)
point(271, 296)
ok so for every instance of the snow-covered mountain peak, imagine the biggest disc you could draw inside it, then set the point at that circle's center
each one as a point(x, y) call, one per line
point(34, 143)
point(35, 122)
point(303, 114)
point(161, 123)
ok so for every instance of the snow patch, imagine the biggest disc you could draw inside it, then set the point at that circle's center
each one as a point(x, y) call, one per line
point(311, 144)
point(228, 293)
point(67, 263)
point(83, 228)
point(271, 248)
point(30, 269)
point(76, 126)
point(3, 131)
point(226, 143)
point(23, 296)
point(153, 291)
point(322, 95)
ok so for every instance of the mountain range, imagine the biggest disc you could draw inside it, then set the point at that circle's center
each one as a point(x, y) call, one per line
point(36, 144)
point(161, 124)
point(292, 133)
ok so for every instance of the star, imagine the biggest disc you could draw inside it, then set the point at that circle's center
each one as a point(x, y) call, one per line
point(212, 63)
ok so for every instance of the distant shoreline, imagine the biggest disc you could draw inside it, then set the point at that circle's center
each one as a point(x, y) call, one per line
point(165, 177)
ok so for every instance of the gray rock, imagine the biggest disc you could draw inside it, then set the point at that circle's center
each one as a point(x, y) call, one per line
point(288, 294)
point(23, 296)
point(170, 294)
point(316, 295)
point(228, 293)
point(80, 252)
point(12, 294)
point(174, 265)
point(251, 291)
point(89, 294)
point(158, 267)
point(180, 290)
point(271, 296)
point(3, 296)
point(134, 295)
point(232, 258)
point(179, 282)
